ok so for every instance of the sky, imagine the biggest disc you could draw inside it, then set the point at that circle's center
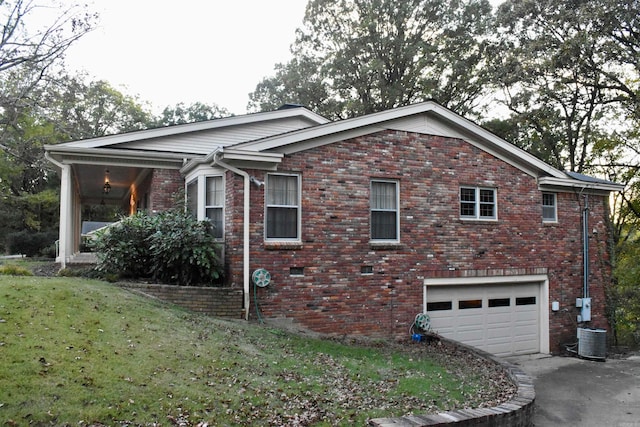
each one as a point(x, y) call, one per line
point(166, 52)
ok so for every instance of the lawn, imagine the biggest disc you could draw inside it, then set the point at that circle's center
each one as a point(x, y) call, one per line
point(79, 352)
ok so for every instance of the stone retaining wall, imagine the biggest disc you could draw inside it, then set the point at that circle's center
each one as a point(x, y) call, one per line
point(517, 412)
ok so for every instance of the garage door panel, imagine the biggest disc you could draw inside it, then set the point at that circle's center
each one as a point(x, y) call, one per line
point(498, 333)
point(498, 318)
point(501, 319)
point(498, 348)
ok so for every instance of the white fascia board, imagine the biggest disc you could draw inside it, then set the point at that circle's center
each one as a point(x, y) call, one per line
point(551, 183)
point(313, 118)
point(76, 155)
point(251, 156)
point(335, 131)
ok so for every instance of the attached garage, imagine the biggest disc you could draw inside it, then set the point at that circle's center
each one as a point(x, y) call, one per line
point(501, 315)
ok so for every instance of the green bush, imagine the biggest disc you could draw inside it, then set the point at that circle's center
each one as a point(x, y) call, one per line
point(14, 270)
point(184, 250)
point(31, 243)
point(170, 247)
point(123, 248)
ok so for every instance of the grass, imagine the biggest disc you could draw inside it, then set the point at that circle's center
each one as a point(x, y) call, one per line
point(81, 352)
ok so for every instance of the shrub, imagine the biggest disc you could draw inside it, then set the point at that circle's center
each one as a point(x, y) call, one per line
point(123, 248)
point(184, 250)
point(30, 243)
point(14, 270)
point(170, 247)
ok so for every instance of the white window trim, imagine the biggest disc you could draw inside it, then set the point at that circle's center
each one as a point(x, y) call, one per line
point(204, 200)
point(297, 239)
point(397, 211)
point(555, 208)
point(477, 216)
point(186, 193)
point(201, 208)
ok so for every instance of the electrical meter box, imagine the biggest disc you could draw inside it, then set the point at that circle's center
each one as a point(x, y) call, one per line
point(586, 310)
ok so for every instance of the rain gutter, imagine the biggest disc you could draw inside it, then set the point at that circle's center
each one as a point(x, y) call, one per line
point(245, 225)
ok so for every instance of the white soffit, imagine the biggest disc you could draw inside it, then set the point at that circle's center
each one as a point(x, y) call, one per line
point(551, 183)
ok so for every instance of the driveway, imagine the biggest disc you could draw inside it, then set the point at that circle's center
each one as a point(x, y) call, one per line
point(577, 392)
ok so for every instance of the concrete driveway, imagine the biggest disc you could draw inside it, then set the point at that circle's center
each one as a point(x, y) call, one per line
point(577, 392)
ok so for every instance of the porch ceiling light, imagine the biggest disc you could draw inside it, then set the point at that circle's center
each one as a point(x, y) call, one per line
point(106, 188)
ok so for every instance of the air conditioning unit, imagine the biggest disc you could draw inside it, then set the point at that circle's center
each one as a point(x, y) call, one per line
point(592, 343)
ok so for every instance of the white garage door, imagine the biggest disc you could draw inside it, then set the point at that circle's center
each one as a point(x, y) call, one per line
point(501, 319)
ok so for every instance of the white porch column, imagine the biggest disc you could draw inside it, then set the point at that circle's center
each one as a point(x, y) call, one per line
point(66, 215)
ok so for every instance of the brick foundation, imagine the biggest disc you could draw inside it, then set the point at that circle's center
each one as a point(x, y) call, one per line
point(219, 302)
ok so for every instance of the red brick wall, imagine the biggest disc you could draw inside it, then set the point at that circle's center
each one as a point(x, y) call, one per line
point(234, 217)
point(334, 296)
point(220, 302)
point(166, 184)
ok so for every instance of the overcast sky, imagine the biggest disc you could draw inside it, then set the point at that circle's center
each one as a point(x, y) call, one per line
point(165, 52)
point(170, 51)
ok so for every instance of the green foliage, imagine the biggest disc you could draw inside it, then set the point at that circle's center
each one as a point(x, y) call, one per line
point(79, 109)
point(14, 270)
point(183, 249)
point(357, 57)
point(196, 112)
point(123, 248)
point(170, 247)
point(30, 243)
point(624, 298)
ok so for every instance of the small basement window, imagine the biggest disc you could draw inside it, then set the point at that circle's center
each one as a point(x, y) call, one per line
point(296, 271)
point(366, 269)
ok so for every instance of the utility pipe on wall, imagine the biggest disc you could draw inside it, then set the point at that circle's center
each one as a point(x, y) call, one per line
point(245, 242)
point(585, 250)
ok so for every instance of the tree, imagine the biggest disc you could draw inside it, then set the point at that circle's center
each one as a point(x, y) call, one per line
point(616, 61)
point(28, 52)
point(79, 109)
point(360, 56)
point(196, 112)
point(558, 103)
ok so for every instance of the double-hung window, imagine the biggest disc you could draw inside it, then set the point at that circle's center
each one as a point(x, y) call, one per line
point(478, 203)
point(549, 207)
point(192, 198)
point(282, 207)
point(214, 203)
point(205, 200)
point(385, 216)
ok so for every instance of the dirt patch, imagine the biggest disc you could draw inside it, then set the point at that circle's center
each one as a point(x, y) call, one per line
point(45, 269)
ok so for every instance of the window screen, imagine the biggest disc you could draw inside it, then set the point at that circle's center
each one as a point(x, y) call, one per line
point(384, 210)
point(283, 207)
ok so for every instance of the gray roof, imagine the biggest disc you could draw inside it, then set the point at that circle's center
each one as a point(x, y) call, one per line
point(587, 178)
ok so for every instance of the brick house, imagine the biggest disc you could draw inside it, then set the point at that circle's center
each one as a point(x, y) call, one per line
point(365, 223)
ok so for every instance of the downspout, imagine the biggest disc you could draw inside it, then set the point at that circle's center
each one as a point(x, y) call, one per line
point(585, 249)
point(245, 244)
